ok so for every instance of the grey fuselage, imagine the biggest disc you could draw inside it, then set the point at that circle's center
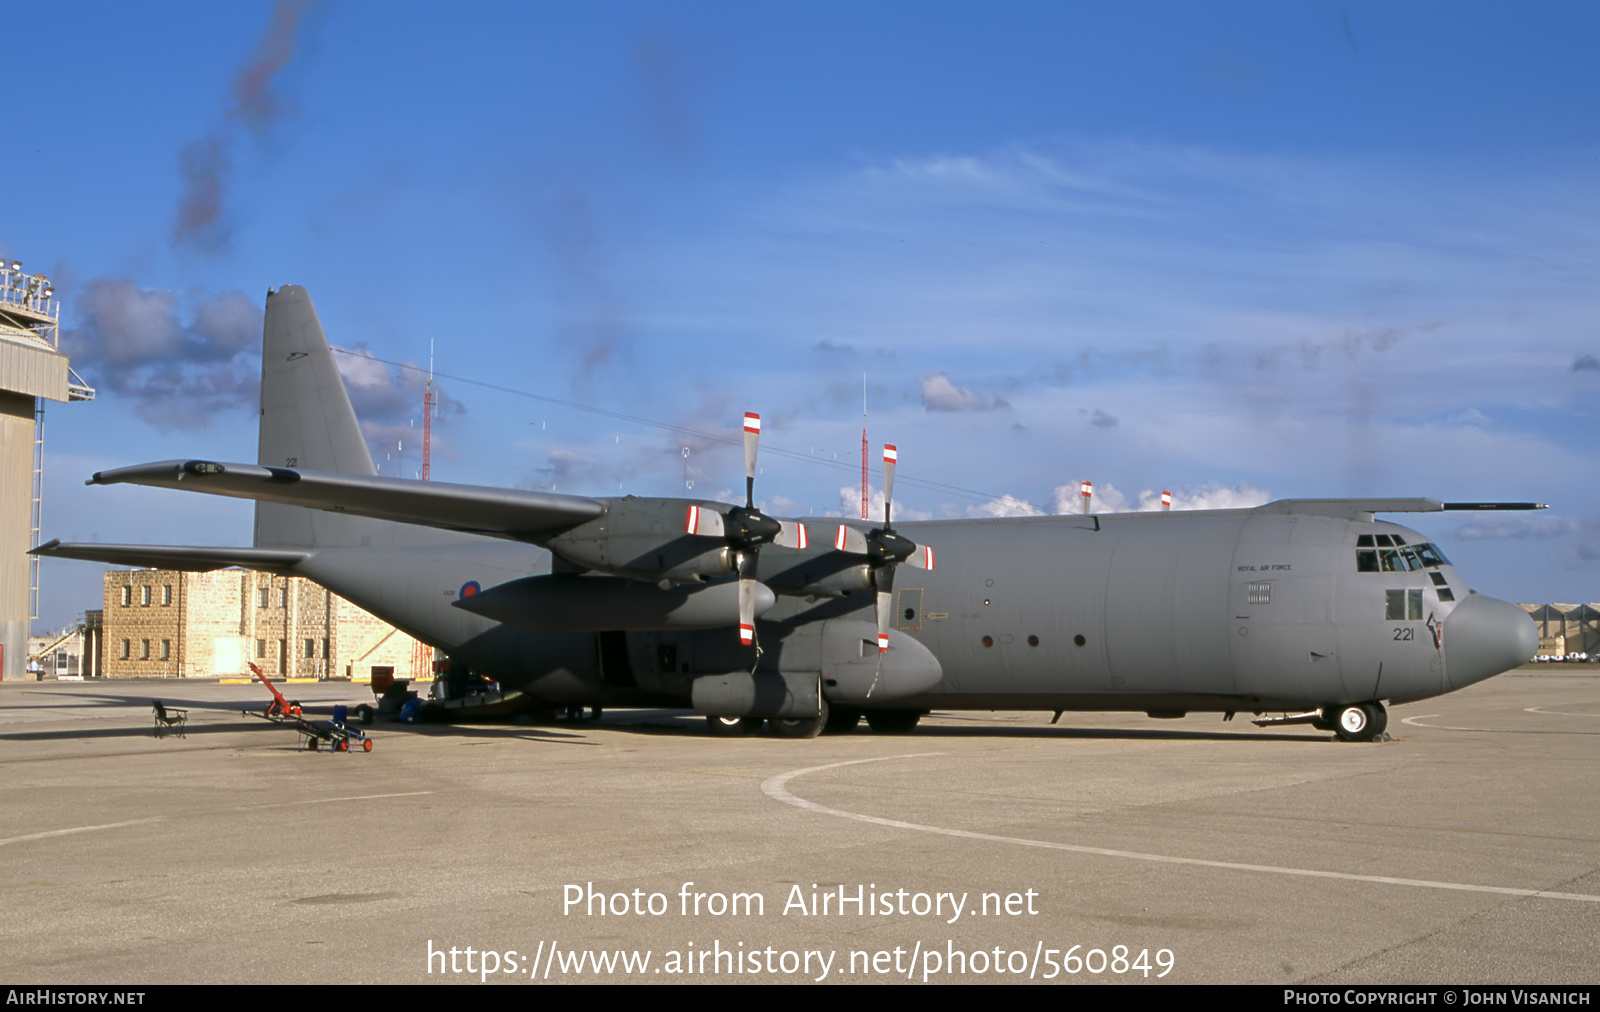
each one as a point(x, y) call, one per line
point(1159, 612)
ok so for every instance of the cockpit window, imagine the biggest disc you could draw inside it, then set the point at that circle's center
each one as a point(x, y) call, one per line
point(1431, 556)
point(1388, 553)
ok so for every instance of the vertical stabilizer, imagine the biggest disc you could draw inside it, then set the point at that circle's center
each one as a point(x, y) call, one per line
point(306, 420)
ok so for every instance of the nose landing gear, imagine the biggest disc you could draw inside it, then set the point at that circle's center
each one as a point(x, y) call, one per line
point(1357, 721)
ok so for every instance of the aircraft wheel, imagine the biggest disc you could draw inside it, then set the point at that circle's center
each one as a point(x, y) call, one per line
point(892, 721)
point(733, 727)
point(365, 713)
point(1380, 718)
point(841, 721)
point(1358, 722)
point(801, 727)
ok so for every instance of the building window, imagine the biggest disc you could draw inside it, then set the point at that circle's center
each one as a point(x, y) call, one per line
point(127, 596)
point(261, 648)
point(166, 595)
point(126, 647)
point(311, 648)
point(144, 595)
point(144, 650)
point(324, 649)
point(263, 596)
point(283, 596)
point(166, 650)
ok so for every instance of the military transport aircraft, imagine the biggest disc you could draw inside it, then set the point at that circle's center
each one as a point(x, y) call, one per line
point(1311, 609)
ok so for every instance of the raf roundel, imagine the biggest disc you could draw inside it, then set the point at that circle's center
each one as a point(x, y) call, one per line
point(470, 589)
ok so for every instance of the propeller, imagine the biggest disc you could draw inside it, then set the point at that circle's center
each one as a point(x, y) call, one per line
point(884, 549)
point(746, 529)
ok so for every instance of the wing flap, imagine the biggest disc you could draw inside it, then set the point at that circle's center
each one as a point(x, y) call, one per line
point(515, 514)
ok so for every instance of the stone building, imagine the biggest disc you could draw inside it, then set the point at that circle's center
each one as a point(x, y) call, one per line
point(167, 624)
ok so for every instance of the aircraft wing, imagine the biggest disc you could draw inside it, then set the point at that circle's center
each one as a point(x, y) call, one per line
point(184, 557)
point(515, 514)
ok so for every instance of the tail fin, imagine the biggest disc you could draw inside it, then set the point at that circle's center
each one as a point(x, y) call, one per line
point(306, 421)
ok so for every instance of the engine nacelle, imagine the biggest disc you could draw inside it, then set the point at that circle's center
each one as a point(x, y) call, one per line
point(819, 572)
point(644, 539)
point(563, 602)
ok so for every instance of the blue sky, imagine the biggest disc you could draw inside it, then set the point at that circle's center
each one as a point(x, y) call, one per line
point(1239, 251)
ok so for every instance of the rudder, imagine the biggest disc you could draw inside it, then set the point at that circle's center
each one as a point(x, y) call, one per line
point(306, 419)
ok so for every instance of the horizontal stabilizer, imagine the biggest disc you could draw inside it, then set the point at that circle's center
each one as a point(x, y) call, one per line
point(499, 512)
point(190, 559)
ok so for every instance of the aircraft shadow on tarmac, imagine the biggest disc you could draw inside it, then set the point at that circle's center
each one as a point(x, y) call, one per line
point(655, 722)
point(639, 722)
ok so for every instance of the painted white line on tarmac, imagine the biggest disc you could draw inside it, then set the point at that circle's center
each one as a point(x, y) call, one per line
point(162, 818)
point(777, 789)
point(1417, 722)
point(79, 829)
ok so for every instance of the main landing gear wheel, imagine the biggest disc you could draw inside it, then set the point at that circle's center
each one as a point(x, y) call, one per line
point(1358, 721)
point(800, 727)
point(733, 727)
point(892, 721)
point(841, 720)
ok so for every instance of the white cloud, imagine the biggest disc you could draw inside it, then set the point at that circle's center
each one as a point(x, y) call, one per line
point(1004, 506)
point(939, 394)
point(850, 506)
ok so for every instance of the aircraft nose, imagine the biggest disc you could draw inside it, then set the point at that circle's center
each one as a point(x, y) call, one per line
point(1484, 637)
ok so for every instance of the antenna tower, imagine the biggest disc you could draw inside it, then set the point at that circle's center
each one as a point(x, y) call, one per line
point(427, 421)
point(864, 446)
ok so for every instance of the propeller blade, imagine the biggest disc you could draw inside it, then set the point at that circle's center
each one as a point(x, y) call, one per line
point(922, 558)
point(848, 539)
point(884, 605)
point(747, 612)
point(752, 441)
point(704, 522)
point(890, 456)
point(793, 535)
